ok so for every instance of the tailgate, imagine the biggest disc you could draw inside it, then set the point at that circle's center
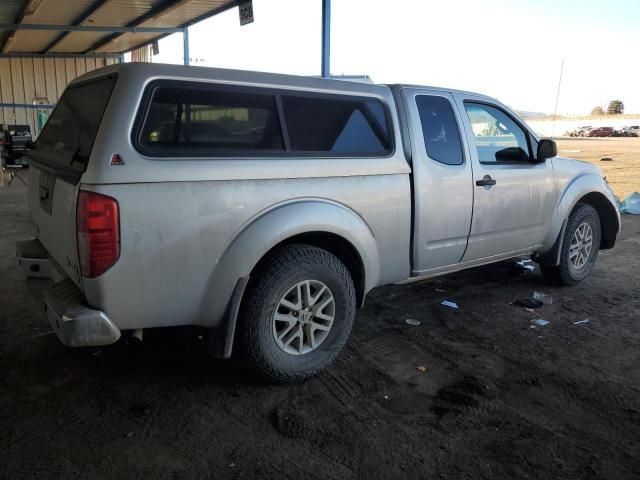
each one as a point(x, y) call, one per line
point(58, 160)
point(52, 203)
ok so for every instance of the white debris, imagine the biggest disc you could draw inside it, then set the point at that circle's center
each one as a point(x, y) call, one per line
point(526, 265)
point(413, 322)
point(449, 304)
point(543, 297)
point(539, 322)
point(586, 320)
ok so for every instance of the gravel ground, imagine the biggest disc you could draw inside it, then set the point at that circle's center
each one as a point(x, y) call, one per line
point(469, 393)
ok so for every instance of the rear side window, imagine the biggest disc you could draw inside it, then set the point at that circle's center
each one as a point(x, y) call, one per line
point(67, 138)
point(336, 125)
point(440, 129)
point(186, 120)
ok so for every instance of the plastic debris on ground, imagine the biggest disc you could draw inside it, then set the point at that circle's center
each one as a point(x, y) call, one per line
point(413, 322)
point(529, 303)
point(525, 265)
point(580, 322)
point(543, 297)
point(421, 368)
point(449, 304)
point(539, 322)
point(631, 204)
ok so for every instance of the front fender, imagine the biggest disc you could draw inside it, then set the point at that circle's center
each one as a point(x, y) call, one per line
point(275, 225)
point(583, 184)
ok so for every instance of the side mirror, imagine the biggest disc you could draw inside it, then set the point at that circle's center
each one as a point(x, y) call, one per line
point(547, 148)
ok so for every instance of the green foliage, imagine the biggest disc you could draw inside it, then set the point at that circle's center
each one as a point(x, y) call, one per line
point(615, 107)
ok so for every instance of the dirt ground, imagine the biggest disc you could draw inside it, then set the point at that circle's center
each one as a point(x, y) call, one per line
point(622, 171)
point(470, 393)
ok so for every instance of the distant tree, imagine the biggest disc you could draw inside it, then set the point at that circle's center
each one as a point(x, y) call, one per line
point(597, 111)
point(615, 107)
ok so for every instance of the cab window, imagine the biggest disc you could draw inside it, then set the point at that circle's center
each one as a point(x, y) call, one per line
point(499, 139)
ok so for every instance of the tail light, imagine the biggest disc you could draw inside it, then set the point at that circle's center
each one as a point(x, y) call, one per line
point(98, 230)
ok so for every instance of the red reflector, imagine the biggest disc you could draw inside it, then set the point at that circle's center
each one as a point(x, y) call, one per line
point(98, 231)
point(116, 159)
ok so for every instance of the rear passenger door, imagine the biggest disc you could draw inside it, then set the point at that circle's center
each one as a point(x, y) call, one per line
point(442, 189)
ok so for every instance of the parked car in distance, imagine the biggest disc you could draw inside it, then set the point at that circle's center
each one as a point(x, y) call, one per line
point(264, 207)
point(600, 132)
point(577, 132)
point(632, 131)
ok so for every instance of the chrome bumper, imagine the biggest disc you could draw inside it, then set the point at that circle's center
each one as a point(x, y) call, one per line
point(76, 324)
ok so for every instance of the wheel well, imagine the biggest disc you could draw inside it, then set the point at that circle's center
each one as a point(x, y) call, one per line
point(335, 244)
point(607, 214)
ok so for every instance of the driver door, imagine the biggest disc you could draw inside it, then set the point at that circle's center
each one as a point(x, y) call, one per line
point(513, 195)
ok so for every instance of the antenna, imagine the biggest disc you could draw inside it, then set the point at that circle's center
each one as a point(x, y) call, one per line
point(555, 111)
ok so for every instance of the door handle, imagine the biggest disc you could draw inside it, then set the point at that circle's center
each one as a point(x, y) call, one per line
point(486, 181)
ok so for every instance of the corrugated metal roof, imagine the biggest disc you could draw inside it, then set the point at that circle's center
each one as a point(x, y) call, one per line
point(10, 12)
point(109, 13)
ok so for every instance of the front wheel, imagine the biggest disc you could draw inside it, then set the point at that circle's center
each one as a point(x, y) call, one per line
point(580, 247)
point(297, 314)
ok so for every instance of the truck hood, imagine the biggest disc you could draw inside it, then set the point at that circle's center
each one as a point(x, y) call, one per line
point(573, 166)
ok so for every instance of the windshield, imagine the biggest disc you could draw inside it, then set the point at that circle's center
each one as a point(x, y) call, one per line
point(67, 138)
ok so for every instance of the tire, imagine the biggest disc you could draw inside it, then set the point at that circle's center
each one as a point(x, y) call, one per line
point(295, 276)
point(570, 271)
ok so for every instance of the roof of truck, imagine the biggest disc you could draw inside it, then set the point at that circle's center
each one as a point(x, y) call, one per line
point(249, 76)
point(146, 71)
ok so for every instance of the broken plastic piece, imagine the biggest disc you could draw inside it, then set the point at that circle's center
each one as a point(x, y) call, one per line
point(539, 322)
point(413, 322)
point(449, 304)
point(543, 297)
point(586, 320)
point(421, 368)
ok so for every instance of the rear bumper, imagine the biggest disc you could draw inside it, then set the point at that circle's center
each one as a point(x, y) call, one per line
point(76, 324)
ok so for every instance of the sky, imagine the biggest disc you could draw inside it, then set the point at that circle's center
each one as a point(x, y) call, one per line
point(509, 49)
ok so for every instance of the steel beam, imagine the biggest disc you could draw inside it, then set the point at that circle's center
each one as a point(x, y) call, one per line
point(87, 28)
point(59, 55)
point(326, 39)
point(185, 45)
point(25, 105)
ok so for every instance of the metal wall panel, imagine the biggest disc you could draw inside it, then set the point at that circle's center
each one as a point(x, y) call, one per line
point(18, 90)
point(6, 88)
point(23, 80)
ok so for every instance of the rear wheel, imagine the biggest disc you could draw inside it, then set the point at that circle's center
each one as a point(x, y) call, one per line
point(580, 247)
point(298, 313)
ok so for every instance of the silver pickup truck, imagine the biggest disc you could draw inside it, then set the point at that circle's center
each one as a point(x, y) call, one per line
point(264, 207)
